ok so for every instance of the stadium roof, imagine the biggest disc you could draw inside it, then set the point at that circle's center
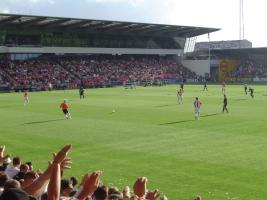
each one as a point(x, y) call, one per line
point(240, 52)
point(45, 23)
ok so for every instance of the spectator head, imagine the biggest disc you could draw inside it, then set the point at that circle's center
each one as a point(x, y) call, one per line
point(7, 160)
point(16, 161)
point(12, 184)
point(101, 193)
point(15, 194)
point(197, 197)
point(112, 190)
point(24, 168)
point(115, 195)
point(65, 188)
point(73, 181)
point(3, 179)
point(30, 165)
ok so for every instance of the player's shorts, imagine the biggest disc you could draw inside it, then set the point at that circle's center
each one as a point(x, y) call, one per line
point(26, 98)
point(65, 111)
point(197, 110)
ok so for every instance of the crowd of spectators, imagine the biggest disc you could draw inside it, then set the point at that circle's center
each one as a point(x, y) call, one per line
point(106, 70)
point(250, 69)
point(19, 181)
point(37, 73)
point(3, 80)
point(93, 71)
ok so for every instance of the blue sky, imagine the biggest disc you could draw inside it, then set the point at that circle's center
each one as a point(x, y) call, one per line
point(206, 13)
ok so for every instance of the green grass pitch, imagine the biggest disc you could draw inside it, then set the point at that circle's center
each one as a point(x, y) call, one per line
point(221, 156)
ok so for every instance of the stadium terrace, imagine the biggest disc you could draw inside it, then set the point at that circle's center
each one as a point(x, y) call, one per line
point(68, 52)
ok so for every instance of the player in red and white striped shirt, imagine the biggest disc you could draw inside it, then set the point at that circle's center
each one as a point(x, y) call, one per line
point(197, 106)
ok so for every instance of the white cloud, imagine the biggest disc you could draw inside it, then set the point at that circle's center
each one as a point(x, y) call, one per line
point(5, 11)
point(35, 1)
point(129, 2)
point(52, 2)
point(136, 2)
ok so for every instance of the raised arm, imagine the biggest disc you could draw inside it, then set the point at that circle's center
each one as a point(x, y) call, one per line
point(54, 183)
point(38, 186)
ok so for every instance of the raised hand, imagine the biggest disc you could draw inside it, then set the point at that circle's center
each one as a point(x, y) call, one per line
point(65, 164)
point(2, 153)
point(90, 184)
point(140, 186)
point(163, 198)
point(152, 195)
point(61, 155)
point(92, 181)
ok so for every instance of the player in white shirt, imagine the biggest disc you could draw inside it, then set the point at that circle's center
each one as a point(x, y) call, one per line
point(197, 106)
point(180, 96)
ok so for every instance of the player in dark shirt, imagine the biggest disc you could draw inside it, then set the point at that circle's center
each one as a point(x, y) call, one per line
point(81, 92)
point(225, 104)
point(246, 88)
point(205, 86)
point(251, 91)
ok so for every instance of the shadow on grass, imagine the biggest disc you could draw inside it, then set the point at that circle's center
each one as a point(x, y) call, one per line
point(178, 122)
point(167, 105)
point(42, 122)
point(191, 120)
point(241, 99)
point(210, 115)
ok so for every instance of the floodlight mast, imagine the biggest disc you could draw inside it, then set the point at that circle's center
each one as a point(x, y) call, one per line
point(209, 51)
point(241, 20)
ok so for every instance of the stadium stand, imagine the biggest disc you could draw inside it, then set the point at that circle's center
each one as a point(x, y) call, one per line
point(234, 65)
point(67, 52)
point(116, 70)
point(92, 71)
point(37, 73)
point(250, 69)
